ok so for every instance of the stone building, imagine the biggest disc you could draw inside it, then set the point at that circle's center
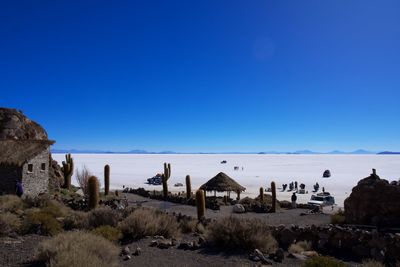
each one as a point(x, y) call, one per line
point(24, 154)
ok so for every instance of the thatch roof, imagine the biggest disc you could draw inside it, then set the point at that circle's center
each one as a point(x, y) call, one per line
point(18, 152)
point(221, 183)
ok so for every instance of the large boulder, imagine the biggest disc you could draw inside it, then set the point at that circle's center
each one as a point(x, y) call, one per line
point(56, 178)
point(374, 202)
point(15, 125)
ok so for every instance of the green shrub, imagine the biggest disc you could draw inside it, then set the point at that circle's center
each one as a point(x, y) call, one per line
point(143, 222)
point(76, 220)
point(39, 222)
point(300, 246)
point(11, 203)
point(241, 234)
point(338, 218)
point(78, 249)
point(323, 261)
point(9, 223)
point(108, 232)
point(103, 216)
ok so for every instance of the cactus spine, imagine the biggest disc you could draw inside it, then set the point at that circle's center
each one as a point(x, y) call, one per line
point(68, 170)
point(106, 179)
point(273, 190)
point(261, 194)
point(200, 204)
point(188, 187)
point(165, 177)
point(93, 188)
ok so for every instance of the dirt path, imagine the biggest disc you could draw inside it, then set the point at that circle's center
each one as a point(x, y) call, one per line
point(286, 217)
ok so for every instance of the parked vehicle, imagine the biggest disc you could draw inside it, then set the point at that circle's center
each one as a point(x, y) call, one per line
point(322, 199)
point(326, 174)
point(156, 180)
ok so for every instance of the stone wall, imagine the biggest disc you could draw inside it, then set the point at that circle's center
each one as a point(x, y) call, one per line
point(37, 181)
point(9, 174)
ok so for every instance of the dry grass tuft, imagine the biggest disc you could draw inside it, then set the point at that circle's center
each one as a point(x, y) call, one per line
point(338, 217)
point(76, 220)
point(108, 232)
point(78, 249)
point(323, 261)
point(241, 234)
point(11, 203)
point(144, 221)
point(300, 247)
point(103, 216)
point(40, 222)
point(9, 223)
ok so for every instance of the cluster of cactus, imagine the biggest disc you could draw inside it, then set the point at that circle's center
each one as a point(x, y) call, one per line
point(106, 179)
point(188, 187)
point(200, 204)
point(273, 190)
point(93, 189)
point(68, 170)
point(261, 194)
point(166, 175)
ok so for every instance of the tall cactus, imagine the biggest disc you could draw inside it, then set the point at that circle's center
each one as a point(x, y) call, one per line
point(273, 190)
point(200, 204)
point(106, 179)
point(261, 194)
point(188, 187)
point(68, 170)
point(93, 188)
point(165, 177)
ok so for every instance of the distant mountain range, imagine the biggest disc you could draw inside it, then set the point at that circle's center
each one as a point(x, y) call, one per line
point(299, 152)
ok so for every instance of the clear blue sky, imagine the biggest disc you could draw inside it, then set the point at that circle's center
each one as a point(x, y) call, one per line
point(205, 75)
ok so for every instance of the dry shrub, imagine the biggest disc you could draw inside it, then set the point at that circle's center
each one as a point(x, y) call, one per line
point(323, 261)
point(103, 216)
point(188, 226)
point(10, 203)
point(82, 177)
point(300, 246)
point(372, 263)
point(108, 232)
point(241, 234)
point(40, 222)
point(9, 223)
point(76, 220)
point(338, 217)
point(78, 249)
point(144, 221)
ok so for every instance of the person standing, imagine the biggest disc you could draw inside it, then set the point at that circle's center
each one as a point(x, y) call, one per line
point(19, 191)
point(294, 199)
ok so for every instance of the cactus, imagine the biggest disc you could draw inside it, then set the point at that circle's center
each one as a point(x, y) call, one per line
point(273, 190)
point(68, 170)
point(106, 179)
point(93, 188)
point(261, 194)
point(165, 177)
point(188, 187)
point(200, 204)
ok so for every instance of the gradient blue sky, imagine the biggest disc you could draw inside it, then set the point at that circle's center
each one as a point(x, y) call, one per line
point(205, 75)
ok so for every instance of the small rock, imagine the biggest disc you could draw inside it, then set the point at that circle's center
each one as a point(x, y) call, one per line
point(185, 245)
point(238, 208)
point(137, 251)
point(279, 255)
point(297, 256)
point(127, 257)
point(125, 251)
point(310, 254)
point(261, 256)
point(153, 243)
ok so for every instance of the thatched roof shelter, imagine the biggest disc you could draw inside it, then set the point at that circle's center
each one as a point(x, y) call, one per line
point(17, 152)
point(222, 183)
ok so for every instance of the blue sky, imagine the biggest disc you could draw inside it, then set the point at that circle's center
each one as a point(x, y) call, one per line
point(205, 75)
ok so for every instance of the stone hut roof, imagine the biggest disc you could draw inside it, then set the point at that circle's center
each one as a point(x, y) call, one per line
point(20, 138)
point(221, 183)
point(18, 152)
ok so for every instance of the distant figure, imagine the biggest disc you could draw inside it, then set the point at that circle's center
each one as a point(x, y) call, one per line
point(242, 168)
point(323, 189)
point(294, 199)
point(295, 185)
point(18, 188)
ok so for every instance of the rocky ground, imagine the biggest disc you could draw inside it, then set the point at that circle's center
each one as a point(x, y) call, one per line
point(19, 251)
point(299, 217)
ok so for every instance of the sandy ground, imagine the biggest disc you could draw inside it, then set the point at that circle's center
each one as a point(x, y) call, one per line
point(286, 217)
